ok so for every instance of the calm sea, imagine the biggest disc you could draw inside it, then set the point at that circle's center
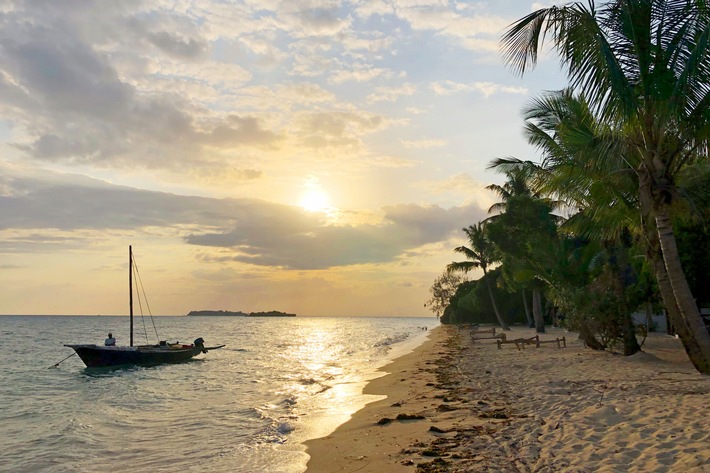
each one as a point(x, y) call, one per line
point(244, 408)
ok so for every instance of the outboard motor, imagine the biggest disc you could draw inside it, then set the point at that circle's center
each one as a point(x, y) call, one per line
point(200, 343)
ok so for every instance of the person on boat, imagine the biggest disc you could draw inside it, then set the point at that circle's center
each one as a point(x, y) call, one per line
point(110, 341)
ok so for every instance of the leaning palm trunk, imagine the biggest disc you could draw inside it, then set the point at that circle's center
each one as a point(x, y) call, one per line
point(674, 315)
point(691, 335)
point(501, 321)
point(691, 327)
point(664, 287)
point(537, 312)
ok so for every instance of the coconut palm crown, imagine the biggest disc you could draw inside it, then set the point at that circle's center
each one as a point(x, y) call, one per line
point(643, 66)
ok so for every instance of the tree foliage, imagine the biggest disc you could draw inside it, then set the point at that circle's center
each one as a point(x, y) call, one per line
point(643, 66)
point(442, 290)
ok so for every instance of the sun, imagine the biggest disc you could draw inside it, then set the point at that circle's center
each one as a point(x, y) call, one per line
point(315, 200)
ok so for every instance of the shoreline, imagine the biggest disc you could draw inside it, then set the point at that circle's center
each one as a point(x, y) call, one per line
point(544, 409)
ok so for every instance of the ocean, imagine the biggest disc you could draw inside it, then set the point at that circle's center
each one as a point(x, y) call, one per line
point(244, 408)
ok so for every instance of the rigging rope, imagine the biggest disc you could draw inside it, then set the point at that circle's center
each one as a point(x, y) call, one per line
point(140, 289)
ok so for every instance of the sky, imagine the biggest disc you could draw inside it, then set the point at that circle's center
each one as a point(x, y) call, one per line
point(318, 157)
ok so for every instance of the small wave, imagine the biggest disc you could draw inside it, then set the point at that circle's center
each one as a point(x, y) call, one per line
point(289, 401)
point(389, 341)
point(77, 425)
point(276, 431)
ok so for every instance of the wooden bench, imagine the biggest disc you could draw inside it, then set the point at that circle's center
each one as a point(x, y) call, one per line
point(521, 342)
point(476, 332)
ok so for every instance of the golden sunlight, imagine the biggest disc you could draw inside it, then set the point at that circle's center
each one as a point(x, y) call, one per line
point(315, 200)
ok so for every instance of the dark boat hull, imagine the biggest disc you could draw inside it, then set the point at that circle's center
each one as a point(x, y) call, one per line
point(95, 356)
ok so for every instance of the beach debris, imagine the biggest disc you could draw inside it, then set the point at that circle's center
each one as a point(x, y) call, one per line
point(438, 465)
point(495, 414)
point(400, 417)
point(433, 452)
point(446, 408)
point(410, 417)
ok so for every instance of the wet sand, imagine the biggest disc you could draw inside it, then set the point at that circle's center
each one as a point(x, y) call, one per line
point(459, 405)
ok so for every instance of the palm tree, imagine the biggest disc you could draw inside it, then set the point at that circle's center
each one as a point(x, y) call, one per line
point(524, 221)
point(644, 68)
point(481, 254)
point(563, 127)
point(516, 185)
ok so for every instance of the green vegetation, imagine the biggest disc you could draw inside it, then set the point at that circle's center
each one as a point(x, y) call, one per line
point(481, 254)
point(625, 152)
point(229, 313)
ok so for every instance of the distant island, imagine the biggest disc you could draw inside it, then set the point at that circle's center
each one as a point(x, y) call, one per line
point(229, 313)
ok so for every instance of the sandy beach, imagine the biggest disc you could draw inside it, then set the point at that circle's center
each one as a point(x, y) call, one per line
point(459, 405)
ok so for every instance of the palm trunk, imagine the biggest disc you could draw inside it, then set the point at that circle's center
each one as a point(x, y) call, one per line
point(628, 330)
point(537, 311)
point(678, 318)
point(503, 324)
point(664, 286)
point(692, 323)
point(649, 316)
point(673, 314)
point(531, 323)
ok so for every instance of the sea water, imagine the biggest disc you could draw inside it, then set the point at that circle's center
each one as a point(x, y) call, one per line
point(244, 408)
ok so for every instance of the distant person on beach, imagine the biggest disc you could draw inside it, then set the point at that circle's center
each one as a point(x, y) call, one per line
point(110, 341)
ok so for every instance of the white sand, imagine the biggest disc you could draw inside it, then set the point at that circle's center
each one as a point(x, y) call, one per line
point(534, 410)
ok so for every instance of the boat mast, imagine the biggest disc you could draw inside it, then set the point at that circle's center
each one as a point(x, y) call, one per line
point(130, 287)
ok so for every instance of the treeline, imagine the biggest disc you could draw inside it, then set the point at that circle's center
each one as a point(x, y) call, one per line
point(613, 218)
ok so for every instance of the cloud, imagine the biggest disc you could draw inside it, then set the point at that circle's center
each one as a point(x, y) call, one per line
point(358, 73)
point(463, 24)
point(448, 87)
point(254, 231)
point(75, 93)
point(291, 240)
point(323, 18)
point(336, 128)
point(176, 87)
point(391, 94)
point(241, 130)
point(422, 144)
point(460, 186)
point(178, 46)
point(74, 203)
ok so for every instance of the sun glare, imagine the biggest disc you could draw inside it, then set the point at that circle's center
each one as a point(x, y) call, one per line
point(315, 200)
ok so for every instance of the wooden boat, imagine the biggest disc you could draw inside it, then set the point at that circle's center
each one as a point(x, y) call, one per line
point(95, 356)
